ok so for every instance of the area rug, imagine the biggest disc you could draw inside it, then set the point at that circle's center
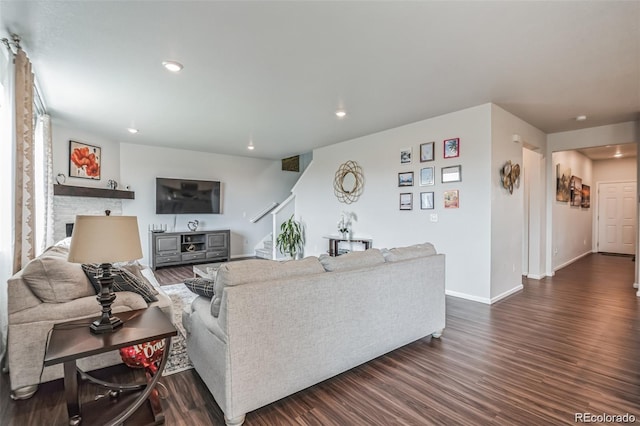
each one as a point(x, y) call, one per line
point(178, 359)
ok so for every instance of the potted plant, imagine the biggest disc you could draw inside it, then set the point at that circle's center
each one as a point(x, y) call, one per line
point(290, 239)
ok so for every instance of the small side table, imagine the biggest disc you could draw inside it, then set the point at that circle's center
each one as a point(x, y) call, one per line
point(335, 240)
point(72, 340)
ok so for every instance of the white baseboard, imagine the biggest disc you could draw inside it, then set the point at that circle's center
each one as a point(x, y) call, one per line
point(507, 293)
point(536, 276)
point(569, 262)
point(484, 300)
point(635, 285)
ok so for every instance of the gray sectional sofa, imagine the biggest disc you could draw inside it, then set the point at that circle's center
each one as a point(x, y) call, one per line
point(274, 328)
point(50, 290)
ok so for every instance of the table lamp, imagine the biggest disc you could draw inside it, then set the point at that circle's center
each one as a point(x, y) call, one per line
point(105, 240)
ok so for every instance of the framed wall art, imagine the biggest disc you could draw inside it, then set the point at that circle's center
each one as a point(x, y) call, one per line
point(84, 160)
point(426, 151)
point(451, 199)
point(451, 148)
point(586, 196)
point(451, 174)
point(563, 175)
point(406, 201)
point(575, 184)
point(405, 179)
point(426, 200)
point(405, 156)
point(426, 176)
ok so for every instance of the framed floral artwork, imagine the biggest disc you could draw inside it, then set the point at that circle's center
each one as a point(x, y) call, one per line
point(84, 160)
point(451, 148)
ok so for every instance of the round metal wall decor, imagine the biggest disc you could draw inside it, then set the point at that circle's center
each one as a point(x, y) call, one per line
point(348, 183)
point(510, 176)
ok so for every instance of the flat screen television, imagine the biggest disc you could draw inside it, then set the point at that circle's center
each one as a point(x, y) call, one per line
point(180, 196)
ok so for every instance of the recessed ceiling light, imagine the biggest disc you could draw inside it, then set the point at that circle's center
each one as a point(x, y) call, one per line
point(172, 66)
point(581, 118)
point(132, 130)
point(341, 113)
point(617, 154)
point(250, 147)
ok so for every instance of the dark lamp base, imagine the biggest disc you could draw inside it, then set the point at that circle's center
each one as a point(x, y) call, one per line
point(100, 327)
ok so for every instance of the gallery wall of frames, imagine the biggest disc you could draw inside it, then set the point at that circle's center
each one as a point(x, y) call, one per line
point(420, 169)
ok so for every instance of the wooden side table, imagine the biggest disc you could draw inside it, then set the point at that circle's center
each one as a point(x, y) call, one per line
point(72, 340)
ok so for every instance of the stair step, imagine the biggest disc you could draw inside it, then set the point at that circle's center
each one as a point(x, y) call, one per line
point(263, 253)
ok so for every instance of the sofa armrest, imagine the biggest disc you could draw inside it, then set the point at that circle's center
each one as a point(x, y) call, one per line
point(201, 306)
point(78, 308)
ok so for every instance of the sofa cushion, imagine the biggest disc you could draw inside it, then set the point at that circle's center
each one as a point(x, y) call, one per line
point(55, 280)
point(352, 260)
point(201, 286)
point(410, 252)
point(258, 270)
point(123, 280)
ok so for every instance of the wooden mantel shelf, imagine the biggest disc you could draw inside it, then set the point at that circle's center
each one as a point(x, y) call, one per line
point(82, 191)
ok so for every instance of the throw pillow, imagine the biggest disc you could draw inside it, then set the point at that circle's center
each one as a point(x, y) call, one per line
point(136, 269)
point(55, 280)
point(200, 286)
point(123, 280)
point(410, 252)
point(352, 260)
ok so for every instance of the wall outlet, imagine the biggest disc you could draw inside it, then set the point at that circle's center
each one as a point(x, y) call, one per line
point(433, 217)
point(555, 251)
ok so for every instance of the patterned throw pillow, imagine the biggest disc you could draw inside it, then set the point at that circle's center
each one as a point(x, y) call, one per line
point(200, 286)
point(123, 280)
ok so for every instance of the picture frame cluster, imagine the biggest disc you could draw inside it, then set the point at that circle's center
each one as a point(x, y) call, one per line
point(426, 175)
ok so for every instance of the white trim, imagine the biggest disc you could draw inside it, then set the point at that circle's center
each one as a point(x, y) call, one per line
point(635, 285)
point(535, 276)
point(507, 293)
point(484, 300)
point(569, 262)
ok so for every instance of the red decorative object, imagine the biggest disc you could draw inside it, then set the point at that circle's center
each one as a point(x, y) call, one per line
point(145, 355)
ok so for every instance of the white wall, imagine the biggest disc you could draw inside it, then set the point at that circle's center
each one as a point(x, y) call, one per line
point(248, 185)
point(507, 209)
point(615, 170)
point(463, 234)
point(572, 225)
point(110, 152)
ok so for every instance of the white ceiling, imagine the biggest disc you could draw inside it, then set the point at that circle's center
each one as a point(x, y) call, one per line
point(275, 72)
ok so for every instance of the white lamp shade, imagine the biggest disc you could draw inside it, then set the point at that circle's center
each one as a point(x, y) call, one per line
point(105, 239)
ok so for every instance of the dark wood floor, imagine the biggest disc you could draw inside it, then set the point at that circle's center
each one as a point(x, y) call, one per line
point(564, 345)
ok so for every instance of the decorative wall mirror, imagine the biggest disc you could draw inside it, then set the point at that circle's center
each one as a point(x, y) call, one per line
point(348, 183)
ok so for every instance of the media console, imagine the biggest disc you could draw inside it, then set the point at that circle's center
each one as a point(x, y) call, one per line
point(184, 248)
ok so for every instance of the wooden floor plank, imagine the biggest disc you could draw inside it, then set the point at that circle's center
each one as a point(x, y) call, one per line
point(562, 345)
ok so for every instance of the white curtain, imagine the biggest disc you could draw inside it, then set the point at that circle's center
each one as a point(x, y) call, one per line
point(43, 183)
point(24, 219)
point(7, 173)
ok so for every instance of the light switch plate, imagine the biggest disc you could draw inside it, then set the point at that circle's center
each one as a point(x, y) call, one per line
point(433, 217)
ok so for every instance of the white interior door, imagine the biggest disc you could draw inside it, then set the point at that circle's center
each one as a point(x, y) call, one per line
point(617, 217)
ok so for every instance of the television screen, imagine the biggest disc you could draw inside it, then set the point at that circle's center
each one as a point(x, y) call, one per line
point(178, 196)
